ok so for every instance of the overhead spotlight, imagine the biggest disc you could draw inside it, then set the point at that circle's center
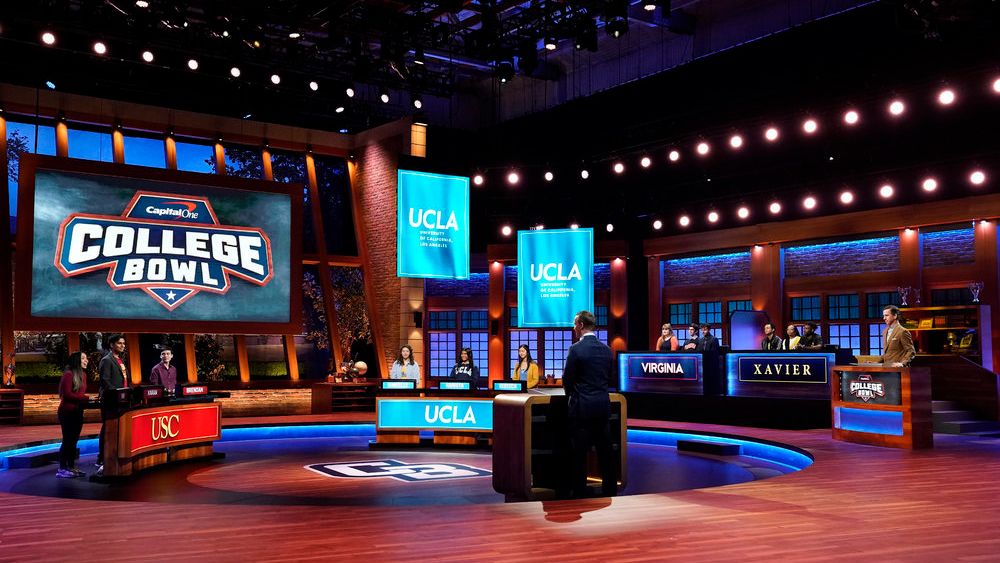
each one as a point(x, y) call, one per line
point(897, 107)
point(886, 191)
point(418, 56)
point(49, 38)
point(996, 86)
point(549, 176)
point(584, 174)
point(539, 227)
point(50, 85)
point(349, 91)
point(235, 72)
point(851, 117)
point(417, 101)
point(506, 230)
point(192, 64)
point(383, 95)
point(340, 109)
point(713, 217)
point(674, 156)
point(147, 56)
point(294, 35)
point(619, 167)
point(809, 203)
point(574, 226)
point(610, 227)
point(810, 126)
point(649, 5)
point(743, 212)
point(275, 79)
point(684, 221)
point(657, 224)
point(946, 97)
point(771, 134)
point(142, 4)
point(736, 141)
point(313, 85)
point(478, 180)
point(504, 70)
point(929, 184)
point(774, 208)
point(977, 178)
point(551, 43)
point(846, 197)
point(703, 148)
point(646, 162)
point(513, 178)
point(100, 48)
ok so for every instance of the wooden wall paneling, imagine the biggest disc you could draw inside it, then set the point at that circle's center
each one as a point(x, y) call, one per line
point(767, 281)
point(190, 360)
point(72, 342)
point(134, 363)
point(986, 264)
point(495, 313)
point(911, 261)
point(618, 305)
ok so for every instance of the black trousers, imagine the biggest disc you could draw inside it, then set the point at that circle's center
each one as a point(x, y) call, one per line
point(585, 433)
point(72, 424)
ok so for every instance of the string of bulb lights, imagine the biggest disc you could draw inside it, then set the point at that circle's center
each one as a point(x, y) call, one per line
point(702, 147)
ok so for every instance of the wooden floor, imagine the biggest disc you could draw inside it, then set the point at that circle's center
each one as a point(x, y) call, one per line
point(854, 503)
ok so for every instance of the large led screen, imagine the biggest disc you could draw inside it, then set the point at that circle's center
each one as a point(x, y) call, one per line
point(555, 276)
point(104, 245)
point(432, 231)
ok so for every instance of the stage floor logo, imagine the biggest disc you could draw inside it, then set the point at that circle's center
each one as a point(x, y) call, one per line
point(393, 469)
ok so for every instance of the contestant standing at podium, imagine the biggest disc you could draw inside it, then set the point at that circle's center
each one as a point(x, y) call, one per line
point(163, 373)
point(668, 340)
point(405, 367)
point(526, 369)
point(466, 369)
point(897, 343)
point(113, 376)
point(72, 398)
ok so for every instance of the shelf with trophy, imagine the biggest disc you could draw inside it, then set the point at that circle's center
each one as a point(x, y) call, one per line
point(948, 330)
point(348, 389)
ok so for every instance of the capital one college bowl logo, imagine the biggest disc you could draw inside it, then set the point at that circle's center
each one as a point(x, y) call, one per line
point(866, 389)
point(169, 246)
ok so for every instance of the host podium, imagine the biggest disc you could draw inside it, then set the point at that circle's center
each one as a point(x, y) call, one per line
point(529, 438)
point(882, 406)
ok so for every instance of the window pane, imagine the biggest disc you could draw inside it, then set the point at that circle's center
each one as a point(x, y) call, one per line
point(289, 168)
point(441, 320)
point(951, 296)
point(312, 344)
point(557, 343)
point(875, 339)
point(143, 151)
point(443, 353)
point(843, 307)
point(244, 162)
point(878, 301)
point(710, 312)
point(601, 313)
point(479, 343)
point(847, 336)
point(335, 205)
point(266, 354)
point(806, 308)
point(195, 158)
point(517, 338)
point(39, 356)
point(21, 138)
point(513, 317)
point(90, 145)
point(215, 356)
point(353, 323)
point(680, 314)
point(744, 305)
point(472, 320)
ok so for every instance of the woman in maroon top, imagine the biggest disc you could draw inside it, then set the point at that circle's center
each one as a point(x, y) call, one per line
point(73, 396)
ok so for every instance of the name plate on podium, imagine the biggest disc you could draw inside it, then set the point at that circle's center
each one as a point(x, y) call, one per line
point(455, 385)
point(510, 386)
point(434, 413)
point(399, 384)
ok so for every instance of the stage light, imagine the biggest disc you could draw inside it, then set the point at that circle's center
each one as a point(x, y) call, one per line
point(713, 216)
point(774, 208)
point(294, 35)
point(846, 197)
point(418, 56)
point(610, 227)
point(50, 85)
point(810, 126)
point(743, 212)
point(674, 156)
point(684, 221)
point(619, 167)
point(703, 148)
point(505, 230)
point(235, 72)
point(809, 203)
point(886, 191)
point(929, 184)
point(584, 174)
point(549, 176)
point(646, 162)
point(550, 44)
point(736, 141)
point(851, 117)
point(100, 48)
point(314, 86)
point(513, 178)
point(946, 97)
point(147, 56)
point(344, 130)
point(383, 95)
point(49, 38)
point(771, 134)
point(478, 180)
point(192, 64)
point(649, 5)
point(977, 178)
point(275, 79)
point(996, 86)
point(340, 109)
point(349, 91)
point(539, 227)
point(418, 102)
point(897, 107)
point(574, 226)
point(657, 225)
point(142, 4)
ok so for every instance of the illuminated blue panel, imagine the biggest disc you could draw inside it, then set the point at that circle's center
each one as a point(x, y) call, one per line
point(838, 258)
point(432, 226)
point(455, 385)
point(660, 373)
point(513, 386)
point(770, 374)
point(399, 384)
point(948, 248)
point(700, 270)
point(435, 414)
point(871, 421)
point(770, 452)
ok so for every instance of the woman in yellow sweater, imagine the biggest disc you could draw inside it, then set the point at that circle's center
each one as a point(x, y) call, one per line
point(526, 369)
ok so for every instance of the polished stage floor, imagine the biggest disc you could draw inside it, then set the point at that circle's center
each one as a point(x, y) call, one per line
point(260, 503)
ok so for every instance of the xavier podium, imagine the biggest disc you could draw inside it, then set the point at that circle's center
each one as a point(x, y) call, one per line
point(529, 436)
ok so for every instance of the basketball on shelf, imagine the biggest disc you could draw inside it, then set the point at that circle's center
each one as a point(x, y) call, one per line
point(361, 368)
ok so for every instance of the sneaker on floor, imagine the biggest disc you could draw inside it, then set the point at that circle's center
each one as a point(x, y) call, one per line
point(100, 471)
point(77, 472)
point(65, 474)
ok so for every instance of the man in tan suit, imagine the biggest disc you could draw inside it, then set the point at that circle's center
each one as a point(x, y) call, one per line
point(897, 347)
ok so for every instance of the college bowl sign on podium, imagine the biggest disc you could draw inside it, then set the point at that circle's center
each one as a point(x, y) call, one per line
point(432, 234)
point(555, 276)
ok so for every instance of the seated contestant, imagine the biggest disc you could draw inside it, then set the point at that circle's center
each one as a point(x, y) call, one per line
point(693, 343)
point(709, 343)
point(526, 369)
point(465, 369)
point(668, 340)
point(771, 341)
point(792, 341)
point(896, 340)
point(164, 373)
point(405, 367)
point(811, 341)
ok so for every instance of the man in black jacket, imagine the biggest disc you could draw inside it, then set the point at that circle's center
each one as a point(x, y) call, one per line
point(585, 379)
point(114, 375)
point(708, 342)
point(771, 342)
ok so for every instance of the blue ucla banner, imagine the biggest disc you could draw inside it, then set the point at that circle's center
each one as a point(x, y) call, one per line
point(432, 231)
point(555, 276)
point(434, 413)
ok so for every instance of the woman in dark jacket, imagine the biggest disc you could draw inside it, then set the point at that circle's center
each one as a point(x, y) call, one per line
point(466, 369)
point(73, 396)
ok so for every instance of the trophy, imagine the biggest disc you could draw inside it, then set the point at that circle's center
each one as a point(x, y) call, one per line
point(8, 371)
point(904, 296)
point(976, 288)
point(915, 292)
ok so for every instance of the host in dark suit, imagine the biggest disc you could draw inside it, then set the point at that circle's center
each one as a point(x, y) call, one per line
point(585, 379)
point(113, 376)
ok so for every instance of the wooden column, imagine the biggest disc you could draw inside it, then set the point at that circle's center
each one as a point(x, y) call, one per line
point(618, 306)
point(6, 281)
point(657, 316)
point(290, 358)
point(911, 262)
point(220, 158)
point(411, 301)
point(767, 276)
point(333, 323)
point(62, 138)
point(495, 313)
point(359, 235)
point(118, 145)
point(986, 268)
point(134, 365)
point(242, 359)
point(190, 361)
point(73, 342)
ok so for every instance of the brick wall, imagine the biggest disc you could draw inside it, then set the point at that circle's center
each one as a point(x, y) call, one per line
point(707, 270)
point(843, 257)
point(476, 286)
point(41, 409)
point(948, 248)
